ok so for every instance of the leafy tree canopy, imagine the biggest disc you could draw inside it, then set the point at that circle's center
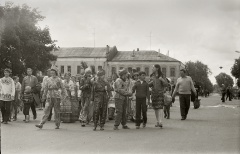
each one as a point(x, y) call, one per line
point(235, 71)
point(225, 79)
point(24, 43)
point(199, 73)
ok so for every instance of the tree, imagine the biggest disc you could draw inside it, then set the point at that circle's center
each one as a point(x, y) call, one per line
point(24, 44)
point(235, 70)
point(199, 73)
point(225, 79)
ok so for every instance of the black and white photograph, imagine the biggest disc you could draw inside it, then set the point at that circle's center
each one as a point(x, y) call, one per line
point(120, 76)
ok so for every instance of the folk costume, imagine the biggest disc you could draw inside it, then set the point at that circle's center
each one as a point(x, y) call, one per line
point(54, 91)
point(122, 93)
point(85, 86)
point(100, 97)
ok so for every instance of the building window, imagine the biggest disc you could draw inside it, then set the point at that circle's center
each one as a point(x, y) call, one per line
point(99, 68)
point(147, 71)
point(138, 69)
point(78, 69)
point(172, 72)
point(129, 69)
point(69, 69)
point(62, 69)
point(164, 71)
point(114, 71)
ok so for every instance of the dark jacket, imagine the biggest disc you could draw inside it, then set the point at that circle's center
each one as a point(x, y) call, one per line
point(142, 90)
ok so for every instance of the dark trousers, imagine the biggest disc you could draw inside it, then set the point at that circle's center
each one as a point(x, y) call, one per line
point(141, 107)
point(229, 96)
point(184, 104)
point(223, 97)
point(26, 108)
point(167, 111)
point(121, 110)
point(14, 107)
point(33, 108)
point(5, 109)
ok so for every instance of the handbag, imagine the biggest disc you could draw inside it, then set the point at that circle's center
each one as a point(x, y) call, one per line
point(167, 99)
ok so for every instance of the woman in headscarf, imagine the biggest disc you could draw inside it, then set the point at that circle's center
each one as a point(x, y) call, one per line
point(158, 85)
point(66, 107)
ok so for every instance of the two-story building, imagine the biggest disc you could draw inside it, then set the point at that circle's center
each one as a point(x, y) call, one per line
point(112, 60)
point(143, 60)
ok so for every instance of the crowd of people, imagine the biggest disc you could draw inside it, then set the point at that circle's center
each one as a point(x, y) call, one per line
point(93, 98)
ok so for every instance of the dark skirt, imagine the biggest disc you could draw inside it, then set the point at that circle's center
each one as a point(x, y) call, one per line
point(157, 100)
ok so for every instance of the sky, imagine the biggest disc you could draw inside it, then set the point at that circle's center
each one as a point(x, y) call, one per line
point(206, 30)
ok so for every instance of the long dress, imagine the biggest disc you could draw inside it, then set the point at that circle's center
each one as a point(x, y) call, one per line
point(66, 105)
point(158, 87)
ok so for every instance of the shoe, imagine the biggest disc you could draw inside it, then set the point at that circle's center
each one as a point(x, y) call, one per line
point(5, 122)
point(34, 117)
point(49, 119)
point(39, 126)
point(157, 125)
point(125, 127)
point(15, 119)
point(83, 124)
point(102, 128)
point(27, 118)
point(57, 127)
point(137, 127)
point(144, 125)
point(115, 128)
point(168, 117)
point(160, 125)
point(165, 116)
point(183, 118)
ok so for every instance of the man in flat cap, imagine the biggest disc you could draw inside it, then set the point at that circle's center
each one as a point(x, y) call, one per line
point(100, 93)
point(120, 88)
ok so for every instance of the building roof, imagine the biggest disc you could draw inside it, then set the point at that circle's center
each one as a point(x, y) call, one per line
point(81, 52)
point(142, 55)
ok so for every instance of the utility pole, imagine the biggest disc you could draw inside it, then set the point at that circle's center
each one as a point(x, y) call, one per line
point(150, 36)
point(94, 37)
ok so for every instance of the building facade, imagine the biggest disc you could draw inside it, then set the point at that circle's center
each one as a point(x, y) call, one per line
point(112, 60)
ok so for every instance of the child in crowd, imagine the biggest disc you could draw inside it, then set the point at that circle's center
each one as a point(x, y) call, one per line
point(27, 101)
point(167, 101)
point(142, 93)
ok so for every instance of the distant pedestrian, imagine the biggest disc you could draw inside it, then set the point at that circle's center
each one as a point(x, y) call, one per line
point(7, 94)
point(120, 88)
point(229, 94)
point(141, 88)
point(183, 87)
point(223, 90)
point(158, 85)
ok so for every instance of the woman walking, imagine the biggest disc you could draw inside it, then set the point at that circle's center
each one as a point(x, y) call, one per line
point(66, 107)
point(53, 97)
point(158, 85)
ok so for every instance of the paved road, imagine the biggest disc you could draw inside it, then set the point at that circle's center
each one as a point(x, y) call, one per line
point(214, 128)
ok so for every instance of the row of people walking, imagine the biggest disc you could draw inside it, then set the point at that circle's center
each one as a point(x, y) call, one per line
point(96, 93)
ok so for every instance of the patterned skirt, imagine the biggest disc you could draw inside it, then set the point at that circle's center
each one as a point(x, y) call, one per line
point(157, 100)
point(66, 110)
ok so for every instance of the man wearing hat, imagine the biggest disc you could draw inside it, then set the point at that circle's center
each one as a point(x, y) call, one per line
point(31, 81)
point(100, 93)
point(85, 86)
point(120, 88)
point(7, 93)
